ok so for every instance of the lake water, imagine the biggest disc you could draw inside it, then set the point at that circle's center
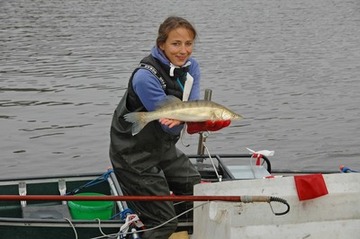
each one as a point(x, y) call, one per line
point(291, 68)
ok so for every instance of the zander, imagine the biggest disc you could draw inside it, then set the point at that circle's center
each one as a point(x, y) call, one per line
point(186, 111)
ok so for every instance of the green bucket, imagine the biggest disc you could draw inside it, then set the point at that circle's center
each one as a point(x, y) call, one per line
point(88, 210)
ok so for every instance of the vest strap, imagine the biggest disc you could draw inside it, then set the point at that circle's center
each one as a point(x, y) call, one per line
point(154, 72)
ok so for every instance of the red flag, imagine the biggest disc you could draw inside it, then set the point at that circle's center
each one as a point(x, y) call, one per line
point(310, 186)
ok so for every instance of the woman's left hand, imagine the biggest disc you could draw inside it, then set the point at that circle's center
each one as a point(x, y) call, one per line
point(169, 122)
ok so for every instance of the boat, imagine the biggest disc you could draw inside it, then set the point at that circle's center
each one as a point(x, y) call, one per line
point(333, 214)
point(323, 204)
point(42, 218)
point(247, 200)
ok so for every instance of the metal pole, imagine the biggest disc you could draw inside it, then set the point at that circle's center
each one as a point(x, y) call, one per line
point(132, 198)
point(202, 139)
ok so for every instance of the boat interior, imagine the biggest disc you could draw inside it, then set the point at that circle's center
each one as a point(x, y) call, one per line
point(21, 215)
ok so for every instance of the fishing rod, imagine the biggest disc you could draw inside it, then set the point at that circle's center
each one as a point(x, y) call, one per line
point(244, 199)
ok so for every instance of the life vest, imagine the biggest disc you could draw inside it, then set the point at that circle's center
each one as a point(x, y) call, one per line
point(169, 84)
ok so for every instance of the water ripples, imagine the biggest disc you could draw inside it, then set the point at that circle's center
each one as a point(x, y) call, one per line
point(290, 68)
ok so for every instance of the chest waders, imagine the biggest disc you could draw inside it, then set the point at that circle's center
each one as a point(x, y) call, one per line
point(150, 164)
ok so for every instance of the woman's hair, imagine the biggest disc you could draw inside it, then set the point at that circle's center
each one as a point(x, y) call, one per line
point(170, 24)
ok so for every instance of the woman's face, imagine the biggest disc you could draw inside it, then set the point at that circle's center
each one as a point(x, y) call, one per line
point(178, 46)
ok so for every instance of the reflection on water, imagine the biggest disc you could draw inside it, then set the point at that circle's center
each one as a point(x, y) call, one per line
point(290, 68)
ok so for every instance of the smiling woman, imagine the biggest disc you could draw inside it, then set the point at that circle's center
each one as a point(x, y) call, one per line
point(177, 44)
point(148, 162)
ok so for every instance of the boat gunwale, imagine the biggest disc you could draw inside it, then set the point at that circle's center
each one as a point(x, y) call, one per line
point(50, 178)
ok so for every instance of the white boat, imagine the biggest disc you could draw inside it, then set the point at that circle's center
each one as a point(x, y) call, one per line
point(333, 216)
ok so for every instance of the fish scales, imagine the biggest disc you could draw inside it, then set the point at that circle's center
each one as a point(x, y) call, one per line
point(185, 111)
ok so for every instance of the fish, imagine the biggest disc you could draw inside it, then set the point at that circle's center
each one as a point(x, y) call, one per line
point(185, 111)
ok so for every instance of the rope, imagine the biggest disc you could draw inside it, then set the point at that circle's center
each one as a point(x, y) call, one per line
point(91, 183)
point(118, 234)
point(72, 226)
point(212, 162)
point(121, 233)
point(281, 200)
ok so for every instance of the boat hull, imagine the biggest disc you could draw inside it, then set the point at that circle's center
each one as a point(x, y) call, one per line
point(335, 215)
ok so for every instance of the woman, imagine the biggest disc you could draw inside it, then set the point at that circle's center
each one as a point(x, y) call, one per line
point(149, 163)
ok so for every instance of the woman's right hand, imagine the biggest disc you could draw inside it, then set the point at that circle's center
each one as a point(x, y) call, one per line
point(170, 122)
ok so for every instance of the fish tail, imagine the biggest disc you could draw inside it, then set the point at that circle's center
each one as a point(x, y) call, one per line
point(138, 119)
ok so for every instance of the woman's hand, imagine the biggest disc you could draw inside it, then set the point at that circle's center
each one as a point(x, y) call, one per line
point(170, 122)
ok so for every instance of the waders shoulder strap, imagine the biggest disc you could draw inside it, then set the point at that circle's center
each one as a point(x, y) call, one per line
point(155, 73)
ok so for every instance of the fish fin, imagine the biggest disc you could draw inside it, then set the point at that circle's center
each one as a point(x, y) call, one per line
point(138, 120)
